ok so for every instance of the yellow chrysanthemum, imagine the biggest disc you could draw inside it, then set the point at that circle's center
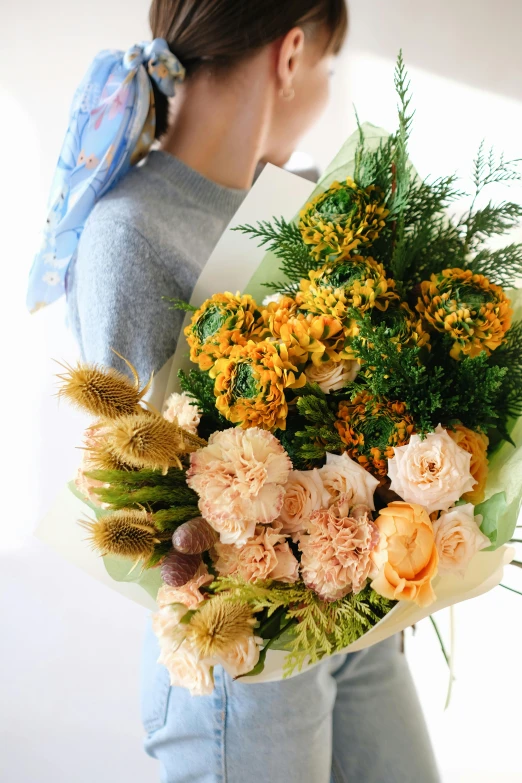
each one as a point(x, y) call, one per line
point(341, 219)
point(221, 322)
point(250, 384)
point(355, 282)
point(308, 337)
point(276, 314)
point(371, 428)
point(475, 313)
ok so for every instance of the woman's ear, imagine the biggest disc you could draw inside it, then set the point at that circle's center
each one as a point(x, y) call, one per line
point(289, 60)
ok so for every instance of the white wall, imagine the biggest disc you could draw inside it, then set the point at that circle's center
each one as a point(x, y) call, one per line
point(69, 661)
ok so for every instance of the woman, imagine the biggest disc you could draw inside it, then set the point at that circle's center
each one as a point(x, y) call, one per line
point(256, 78)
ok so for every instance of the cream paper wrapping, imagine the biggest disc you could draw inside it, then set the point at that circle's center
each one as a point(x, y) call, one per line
point(236, 265)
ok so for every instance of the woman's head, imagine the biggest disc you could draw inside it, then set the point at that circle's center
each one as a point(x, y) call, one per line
point(216, 37)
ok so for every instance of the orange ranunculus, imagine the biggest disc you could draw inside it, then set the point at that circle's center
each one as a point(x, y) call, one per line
point(476, 444)
point(406, 557)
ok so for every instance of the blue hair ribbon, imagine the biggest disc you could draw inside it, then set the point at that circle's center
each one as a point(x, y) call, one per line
point(112, 125)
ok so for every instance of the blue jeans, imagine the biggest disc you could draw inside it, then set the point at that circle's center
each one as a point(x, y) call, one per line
point(354, 718)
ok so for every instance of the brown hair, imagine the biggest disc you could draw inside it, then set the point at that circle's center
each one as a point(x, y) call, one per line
point(221, 33)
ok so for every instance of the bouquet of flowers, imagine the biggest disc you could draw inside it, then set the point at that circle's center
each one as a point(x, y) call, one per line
point(341, 459)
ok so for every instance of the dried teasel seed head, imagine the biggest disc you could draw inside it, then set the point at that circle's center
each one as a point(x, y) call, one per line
point(127, 533)
point(147, 440)
point(178, 568)
point(194, 537)
point(105, 392)
point(102, 458)
point(218, 624)
point(97, 451)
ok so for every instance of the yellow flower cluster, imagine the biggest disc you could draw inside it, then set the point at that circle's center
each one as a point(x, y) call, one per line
point(341, 219)
point(221, 322)
point(337, 287)
point(309, 337)
point(250, 384)
point(371, 428)
point(473, 312)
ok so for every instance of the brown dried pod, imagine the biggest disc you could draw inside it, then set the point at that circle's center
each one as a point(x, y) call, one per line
point(194, 537)
point(177, 568)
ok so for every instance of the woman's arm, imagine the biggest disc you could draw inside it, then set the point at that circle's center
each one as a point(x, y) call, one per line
point(115, 298)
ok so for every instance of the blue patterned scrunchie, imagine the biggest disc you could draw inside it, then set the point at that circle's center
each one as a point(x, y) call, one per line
point(111, 127)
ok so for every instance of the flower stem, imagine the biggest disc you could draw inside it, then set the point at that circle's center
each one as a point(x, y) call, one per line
point(441, 642)
point(511, 589)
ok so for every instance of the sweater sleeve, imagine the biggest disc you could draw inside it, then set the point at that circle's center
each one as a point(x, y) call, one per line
point(116, 299)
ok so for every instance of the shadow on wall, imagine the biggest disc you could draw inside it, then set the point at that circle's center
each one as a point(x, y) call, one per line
point(467, 35)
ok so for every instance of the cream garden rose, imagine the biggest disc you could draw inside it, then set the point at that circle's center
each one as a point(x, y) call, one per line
point(343, 476)
point(240, 656)
point(304, 494)
point(332, 375)
point(185, 670)
point(457, 538)
point(433, 471)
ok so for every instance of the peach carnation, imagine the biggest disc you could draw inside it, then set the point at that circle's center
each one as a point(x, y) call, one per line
point(433, 471)
point(458, 538)
point(476, 444)
point(180, 410)
point(344, 476)
point(336, 551)
point(304, 494)
point(240, 478)
point(332, 375)
point(265, 556)
point(406, 557)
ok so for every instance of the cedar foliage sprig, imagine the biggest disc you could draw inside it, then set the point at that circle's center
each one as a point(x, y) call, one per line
point(435, 391)
point(310, 429)
point(200, 386)
point(503, 266)
point(509, 357)
point(321, 628)
point(285, 241)
point(180, 304)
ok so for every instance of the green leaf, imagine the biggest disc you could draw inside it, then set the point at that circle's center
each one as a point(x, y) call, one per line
point(492, 511)
point(121, 570)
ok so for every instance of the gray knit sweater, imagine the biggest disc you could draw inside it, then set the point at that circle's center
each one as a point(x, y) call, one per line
point(147, 239)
